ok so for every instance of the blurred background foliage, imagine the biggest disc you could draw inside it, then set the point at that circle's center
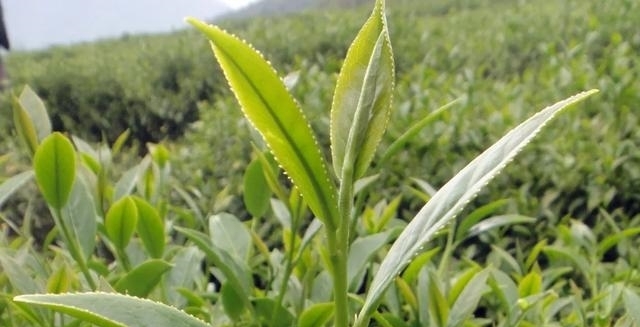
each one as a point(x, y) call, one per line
point(504, 60)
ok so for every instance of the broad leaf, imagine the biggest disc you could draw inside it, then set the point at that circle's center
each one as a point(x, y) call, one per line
point(33, 105)
point(467, 302)
point(362, 98)
point(231, 235)
point(80, 215)
point(316, 315)
point(114, 310)
point(150, 228)
point(30, 118)
point(361, 252)
point(452, 197)
point(270, 108)
point(236, 273)
point(55, 166)
point(256, 191)
point(141, 280)
point(120, 222)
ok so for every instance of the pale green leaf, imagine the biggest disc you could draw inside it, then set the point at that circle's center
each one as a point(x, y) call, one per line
point(362, 98)
point(256, 191)
point(33, 105)
point(113, 310)
point(235, 272)
point(141, 280)
point(55, 166)
point(14, 183)
point(452, 197)
point(467, 302)
point(232, 302)
point(316, 315)
point(120, 222)
point(268, 105)
point(231, 235)
point(150, 228)
point(79, 214)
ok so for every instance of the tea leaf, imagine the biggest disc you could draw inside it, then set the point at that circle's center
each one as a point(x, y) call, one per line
point(80, 215)
point(273, 112)
point(113, 310)
point(30, 118)
point(362, 99)
point(229, 234)
point(452, 197)
point(141, 280)
point(236, 273)
point(120, 222)
point(413, 131)
point(256, 190)
point(232, 302)
point(55, 167)
point(11, 185)
point(150, 228)
point(468, 299)
point(316, 315)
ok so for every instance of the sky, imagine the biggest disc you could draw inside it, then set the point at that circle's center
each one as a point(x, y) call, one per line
point(237, 4)
point(38, 24)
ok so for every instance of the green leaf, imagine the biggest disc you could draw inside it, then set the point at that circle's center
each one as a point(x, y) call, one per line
point(362, 98)
point(150, 228)
point(498, 221)
point(141, 280)
point(264, 308)
point(18, 274)
point(60, 280)
point(55, 166)
point(33, 105)
point(235, 272)
point(186, 272)
point(80, 215)
point(361, 252)
point(120, 222)
point(232, 302)
point(231, 235)
point(413, 131)
point(256, 193)
point(632, 303)
point(268, 105)
point(467, 302)
point(438, 306)
point(130, 178)
point(316, 315)
point(113, 310)
point(30, 118)
point(531, 284)
point(452, 197)
point(476, 215)
point(14, 183)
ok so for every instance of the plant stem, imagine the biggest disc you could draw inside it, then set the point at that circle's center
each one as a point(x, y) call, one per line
point(288, 269)
point(340, 247)
point(74, 250)
point(339, 276)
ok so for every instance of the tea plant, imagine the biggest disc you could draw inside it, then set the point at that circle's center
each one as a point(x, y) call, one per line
point(360, 110)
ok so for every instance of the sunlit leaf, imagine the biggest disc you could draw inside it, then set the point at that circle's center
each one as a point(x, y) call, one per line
point(55, 167)
point(113, 310)
point(150, 228)
point(452, 197)
point(141, 280)
point(362, 98)
point(121, 221)
point(270, 108)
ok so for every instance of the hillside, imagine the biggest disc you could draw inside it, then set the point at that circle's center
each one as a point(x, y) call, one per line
point(283, 7)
